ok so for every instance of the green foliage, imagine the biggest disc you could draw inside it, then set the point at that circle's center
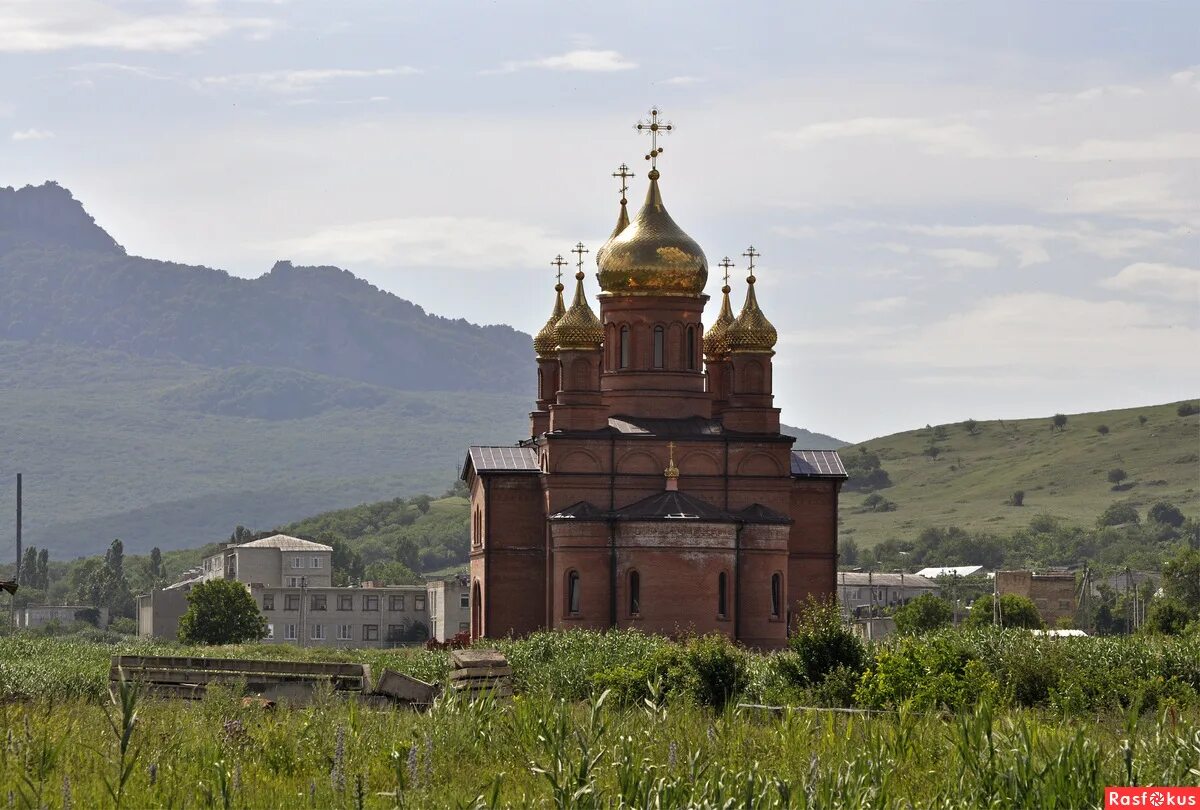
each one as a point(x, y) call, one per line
point(971, 426)
point(877, 503)
point(923, 614)
point(939, 671)
point(1181, 579)
point(1168, 616)
point(221, 611)
point(865, 470)
point(712, 670)
point(820, 643)
point(1017, 498)
point(1102, 430)
point(848, 551)
point(1116, 475)
point(1188, 409)
point(1059, 422)
point(1118, 514)
point(392, 573)
point(1015, 611)
point(1167, 514)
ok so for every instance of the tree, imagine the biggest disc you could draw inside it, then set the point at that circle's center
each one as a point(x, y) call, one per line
point(221, 611)
point(1143, 419)
point(1116, 475)
point(1059, 421)
point(43, 569)
point(1168, 617)
point(421, 502)
point(1118, 514)
point(157, 571)
point(1181, 579)
point(923, 614)
point(1102, 430)
point(1017, 498)
point(1188, 409)
point(347, 564)
point(1165, 513)
point(28, 578)
point(391, 573)
point(822, 643)
point(972, 427)
point(1015, 611)
point(848, 551)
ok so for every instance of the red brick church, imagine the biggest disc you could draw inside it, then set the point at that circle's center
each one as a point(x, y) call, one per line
point(655, 491)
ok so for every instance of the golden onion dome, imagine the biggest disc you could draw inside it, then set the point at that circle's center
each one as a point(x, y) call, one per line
point(579, 328)
point(751, 331)
point(716, 337)
point(622, 224)
point(652, 255)
point(545, 342)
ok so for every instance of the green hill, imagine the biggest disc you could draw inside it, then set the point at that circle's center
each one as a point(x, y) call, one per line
point(948, 476)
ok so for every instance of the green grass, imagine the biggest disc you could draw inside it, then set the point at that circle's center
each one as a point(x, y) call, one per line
point(1063, 473)
point(109, 450)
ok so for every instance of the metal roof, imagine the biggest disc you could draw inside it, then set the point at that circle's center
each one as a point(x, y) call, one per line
point(487, 458)
point(858, 579)
point(817, 464)
point(286, 543)
point(950, 571)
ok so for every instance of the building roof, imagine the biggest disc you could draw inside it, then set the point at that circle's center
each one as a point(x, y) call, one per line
point(286, 543)
point(817, 464)
point(580, 510)
point(859, 578)
point(491, 458)
point(950, 571)
point(757, 513)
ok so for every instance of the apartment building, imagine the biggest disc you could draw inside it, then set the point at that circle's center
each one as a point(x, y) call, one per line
point(291, 581)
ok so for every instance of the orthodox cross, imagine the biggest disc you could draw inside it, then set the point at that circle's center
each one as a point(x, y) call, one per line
point(753, 254)
point(726, 263)
point(671, 471)
point(579, 250)
point(560, 264)
point(654, 127)
point(624, 174)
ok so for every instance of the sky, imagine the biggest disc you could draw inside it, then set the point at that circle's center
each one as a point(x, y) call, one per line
point(964, 209)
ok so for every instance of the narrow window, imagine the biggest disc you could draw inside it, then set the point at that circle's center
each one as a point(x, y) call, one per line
point(624, 347)
point(691, 348)
point(418, 603)
point(722, 596)
point(270, 631)
point(476, 612)
point(635, 593)
point(776, 594)
point(573, 595)
point(658, 347)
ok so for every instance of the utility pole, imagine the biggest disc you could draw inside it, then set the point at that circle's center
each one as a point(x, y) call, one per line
point(12, 599)
point(303, 585)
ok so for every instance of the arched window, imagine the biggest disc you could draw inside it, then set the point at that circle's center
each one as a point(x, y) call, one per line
point(722, 595)
point(476, 612)
point(624, 347)
point(691, 348)
point(658, 347)
point(573, 593)
point(635, 593)
point(776, 595)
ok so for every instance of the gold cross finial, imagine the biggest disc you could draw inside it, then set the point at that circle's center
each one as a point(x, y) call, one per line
point(579, 250)
point(560, 263)
point(726, 263)
point(753, 254)
point(624, 173)
point(654, 126)
point(671, 471)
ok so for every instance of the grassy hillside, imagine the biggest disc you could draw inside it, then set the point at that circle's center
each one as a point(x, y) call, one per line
point(969, 478)
point(159, 452)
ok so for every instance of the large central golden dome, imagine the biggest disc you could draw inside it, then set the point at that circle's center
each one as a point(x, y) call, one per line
point(652, 255)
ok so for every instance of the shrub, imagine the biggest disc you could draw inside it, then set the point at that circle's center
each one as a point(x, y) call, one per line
point(821, 643)
point(923, 614)
point(1059, 421)
point(714, 670)
point(1116, 475)
point(1015, 611)
point(971, 426)
point(221, 611)
point(932, 672)
point(1118, 514)
point(1188, 409)
point(1165, 513)
point(877, 503)
point(1167, 617)
point(1102, 430)
point(1017, 498)
point(124, 625)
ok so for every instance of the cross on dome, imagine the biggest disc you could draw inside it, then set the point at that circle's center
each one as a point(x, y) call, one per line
point(579, 250)
point(726, 264)
point(752, 254)
point(654, 126)
point(623, 173)
point(560, 263)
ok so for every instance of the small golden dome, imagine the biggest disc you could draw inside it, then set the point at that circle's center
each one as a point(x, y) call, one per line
point(545, 342)
point(716, 337)
point(751, 331)
point(579, 328)
point(622, 224)
point(652, 255)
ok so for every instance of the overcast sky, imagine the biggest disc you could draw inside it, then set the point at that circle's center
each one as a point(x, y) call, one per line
point(964, 209)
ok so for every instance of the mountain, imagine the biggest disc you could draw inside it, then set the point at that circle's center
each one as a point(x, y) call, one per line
point(808, 440)
point(948, 475)
point(63, 279)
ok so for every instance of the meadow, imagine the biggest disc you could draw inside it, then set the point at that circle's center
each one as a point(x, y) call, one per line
point(963, 720)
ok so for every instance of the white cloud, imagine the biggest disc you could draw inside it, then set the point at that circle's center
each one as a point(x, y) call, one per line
point(963, 258)
point(460, 243)
point(934, 136)
point(32, 135)
point(882, 305)
point(32, 26)
point(1164, 146)
point(1148, 196)
point(682, 80)
point(583, 60)
point(1157, 279)
point(299, 81)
